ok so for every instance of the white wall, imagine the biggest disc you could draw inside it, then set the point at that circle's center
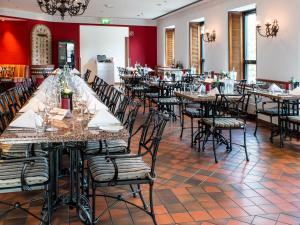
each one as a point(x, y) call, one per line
point(102, 40)
point(277, 58)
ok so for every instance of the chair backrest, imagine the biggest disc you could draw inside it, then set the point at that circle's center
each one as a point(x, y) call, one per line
point(6, 115)
point(152, 131)
point(12, 98)
point(116, 94)
point(87, 75)
point(102, 89)
point(21, 93)
point(130, 118)
point(235, 105)
point(167, 88)
point(121, 109)
point(241, 86)
point(95, 82)
point(107, 94)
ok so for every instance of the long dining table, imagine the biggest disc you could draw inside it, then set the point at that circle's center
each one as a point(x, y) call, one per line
point(72, 130)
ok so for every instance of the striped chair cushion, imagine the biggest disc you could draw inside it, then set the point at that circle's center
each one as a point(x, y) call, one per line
point(116, 145)
point(270, 111)
point(152, 95)
point(113, 146)
point(36, 173)
point(172, 100)
point(19, 150)
point(128, 168)
point(193, 112)
point(138, 88)
point(294, 119)
point(224, 122)
point(92, 148)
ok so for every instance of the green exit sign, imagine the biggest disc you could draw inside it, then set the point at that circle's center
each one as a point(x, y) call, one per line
point(105, 21)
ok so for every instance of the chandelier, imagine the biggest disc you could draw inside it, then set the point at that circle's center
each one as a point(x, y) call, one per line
point(72, 7)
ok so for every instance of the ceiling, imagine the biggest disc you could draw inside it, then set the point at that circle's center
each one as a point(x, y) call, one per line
point(125, 9)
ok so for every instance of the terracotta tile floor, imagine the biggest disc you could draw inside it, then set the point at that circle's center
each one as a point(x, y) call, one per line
point(191, 189)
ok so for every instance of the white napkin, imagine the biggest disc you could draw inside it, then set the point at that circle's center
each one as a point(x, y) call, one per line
point(214, 92)
point(57, 71)
point(94, 105)
point(33, 105)
point(28, 119)
point(296, 91)
point(74, 71)
point(103, 118)
point(274, 88)
point(40, 95)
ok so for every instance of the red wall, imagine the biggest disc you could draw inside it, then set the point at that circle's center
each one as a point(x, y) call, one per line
point(14, 43)
point(143, 45)
point(15, 46)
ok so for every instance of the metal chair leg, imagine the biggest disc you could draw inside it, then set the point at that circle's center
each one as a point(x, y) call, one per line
point(133, 191)
point(93, 204)
point(245, 144)
point(192, 132)
point(256, 126)
point(230, 139)
point(151, 203)
point(272, 129)
point(214, 146)
point(142, 197)
point(182, 126)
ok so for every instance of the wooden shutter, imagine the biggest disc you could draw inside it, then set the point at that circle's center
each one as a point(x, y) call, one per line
point(236, 43)
point(170, 46)
point(195, 46)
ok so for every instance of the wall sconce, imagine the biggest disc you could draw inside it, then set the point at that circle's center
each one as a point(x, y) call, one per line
point(209, 37)
point(271, 29)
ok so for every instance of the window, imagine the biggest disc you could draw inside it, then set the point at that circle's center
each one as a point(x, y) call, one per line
point(250, 46)
point(235, 23)
point(170, 47)
point(197, 46)
point(242, 44)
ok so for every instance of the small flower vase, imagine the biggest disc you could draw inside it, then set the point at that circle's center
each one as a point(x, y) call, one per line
point(207, 87)
point(66, 100)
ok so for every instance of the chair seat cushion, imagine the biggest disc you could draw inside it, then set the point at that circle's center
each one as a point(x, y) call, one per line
point(168, 101)
point(269, 112)
point(21, 151)
point(152, 95)
point(36, 173)
point(102, 170)
point(138, 88)
point(193, 112)
point(224, 122)
point(92, 148)
point(113, 146)
point(294, 119)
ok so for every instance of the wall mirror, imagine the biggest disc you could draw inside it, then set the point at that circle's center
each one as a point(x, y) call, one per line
point(66, 53)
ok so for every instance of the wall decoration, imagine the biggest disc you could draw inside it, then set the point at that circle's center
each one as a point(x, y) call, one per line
point(41, 49)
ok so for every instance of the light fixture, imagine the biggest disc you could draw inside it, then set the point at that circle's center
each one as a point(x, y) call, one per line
point(209, 37)
point(271, 29)
point(72, 7)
